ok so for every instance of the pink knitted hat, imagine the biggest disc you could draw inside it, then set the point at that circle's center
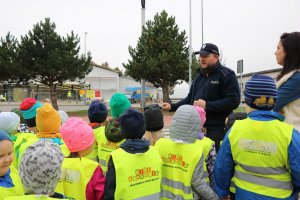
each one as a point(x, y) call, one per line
point(202, 114)
point(77, 134)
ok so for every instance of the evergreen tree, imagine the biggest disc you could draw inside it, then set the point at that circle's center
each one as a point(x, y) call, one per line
point(8, 55)
point(52, 59)
point(161, 54)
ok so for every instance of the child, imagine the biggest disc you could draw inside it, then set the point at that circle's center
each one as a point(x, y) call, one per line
point(228, 124)
point(28, 109)
point(154, 123)
point(9, 123)
point(112, 138)
point(183, 159)
point(10, 183)
point(48, 122)
point(134, 170)
point(40, 170)
point(232, 118)
point(23, 128)
point(82, 178)
point(97, 114)
point(118, 104)
point(209, 150)
point(261, 152)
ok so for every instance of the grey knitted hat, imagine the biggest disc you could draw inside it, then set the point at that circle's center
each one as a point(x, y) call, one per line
point(40, 167)
point(186, 124)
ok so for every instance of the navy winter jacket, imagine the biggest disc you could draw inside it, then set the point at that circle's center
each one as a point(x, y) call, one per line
point(221, 92)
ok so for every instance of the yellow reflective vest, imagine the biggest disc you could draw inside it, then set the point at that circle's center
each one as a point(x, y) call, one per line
point(76, 174)
point(30, 197)
point(25, 140)
point(138, 176)
point(17, 190)
point(105, 147)
point(260, 149)
point(94, 154)
point(179, 163)
point(206, 144)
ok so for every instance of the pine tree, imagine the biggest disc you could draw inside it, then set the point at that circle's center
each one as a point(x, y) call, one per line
point(161, 54)
point(52, 59)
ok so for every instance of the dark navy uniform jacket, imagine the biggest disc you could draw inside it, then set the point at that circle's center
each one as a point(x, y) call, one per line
point(221, 92)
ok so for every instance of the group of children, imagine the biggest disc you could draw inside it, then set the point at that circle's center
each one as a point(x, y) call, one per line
point(127, 156)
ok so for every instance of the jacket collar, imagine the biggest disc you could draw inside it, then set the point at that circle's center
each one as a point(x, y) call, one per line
point(264, 115)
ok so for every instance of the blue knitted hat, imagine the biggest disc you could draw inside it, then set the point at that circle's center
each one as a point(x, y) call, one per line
point(4, 136)
point(133, 124)
point(97, 112)
point(260, 92)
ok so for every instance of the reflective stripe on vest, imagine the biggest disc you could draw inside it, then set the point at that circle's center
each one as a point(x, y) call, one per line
point(178, 167)
point(150, 197)
point(285, 185)
point(259, 150)
point(76, 174)
point(12, 191)
point(264, 170)
point(94, 154)
point(135, 172)
point(105, 147)
point(206, 143)
point(30, 197)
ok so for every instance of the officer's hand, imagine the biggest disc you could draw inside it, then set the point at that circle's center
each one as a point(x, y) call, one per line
point(166, 106)
point(201, 103)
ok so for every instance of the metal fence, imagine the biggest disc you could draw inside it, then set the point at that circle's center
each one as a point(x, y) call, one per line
point(17, 94)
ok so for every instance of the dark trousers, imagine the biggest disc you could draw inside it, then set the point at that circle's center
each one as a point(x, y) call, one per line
point(216, 135)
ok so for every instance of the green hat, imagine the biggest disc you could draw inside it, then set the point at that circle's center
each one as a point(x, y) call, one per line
point(118, 104)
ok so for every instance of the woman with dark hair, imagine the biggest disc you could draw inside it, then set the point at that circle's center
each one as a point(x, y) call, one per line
point(288, 80)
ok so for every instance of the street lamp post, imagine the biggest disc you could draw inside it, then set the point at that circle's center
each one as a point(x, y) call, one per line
point(84, 86)
point(190, 47)
point(85, 33)
point(143, 102)
point(202, 22)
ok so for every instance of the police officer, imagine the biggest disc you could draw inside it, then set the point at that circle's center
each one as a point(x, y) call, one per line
point(215, 88)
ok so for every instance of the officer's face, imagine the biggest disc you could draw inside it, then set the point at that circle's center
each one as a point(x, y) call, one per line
point(208, 60)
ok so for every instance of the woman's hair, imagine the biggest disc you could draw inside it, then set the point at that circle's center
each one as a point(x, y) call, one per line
point(291, 46)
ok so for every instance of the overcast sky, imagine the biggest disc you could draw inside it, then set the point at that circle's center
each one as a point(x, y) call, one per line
point(242, 29)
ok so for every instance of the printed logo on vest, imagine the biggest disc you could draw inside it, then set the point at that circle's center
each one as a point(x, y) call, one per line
point(70, 175)
point(175, 161)
point(257, 146)
point(109, 145)
point(145, 175)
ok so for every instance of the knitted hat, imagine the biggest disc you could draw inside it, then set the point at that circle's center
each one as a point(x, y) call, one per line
point(9, 122)
point(28, 109)
point(113, 130)
point(260, 92)
point(40, 167)
point(132, 124)
point(63, 115)
point(97, 112)
point(4, 136)
point(201, 113)
point(18, 112)
point(232, 118)
point(118, 104)
point(47, 119)
point(77, 134)
point(154, 118)
point(186, 124)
